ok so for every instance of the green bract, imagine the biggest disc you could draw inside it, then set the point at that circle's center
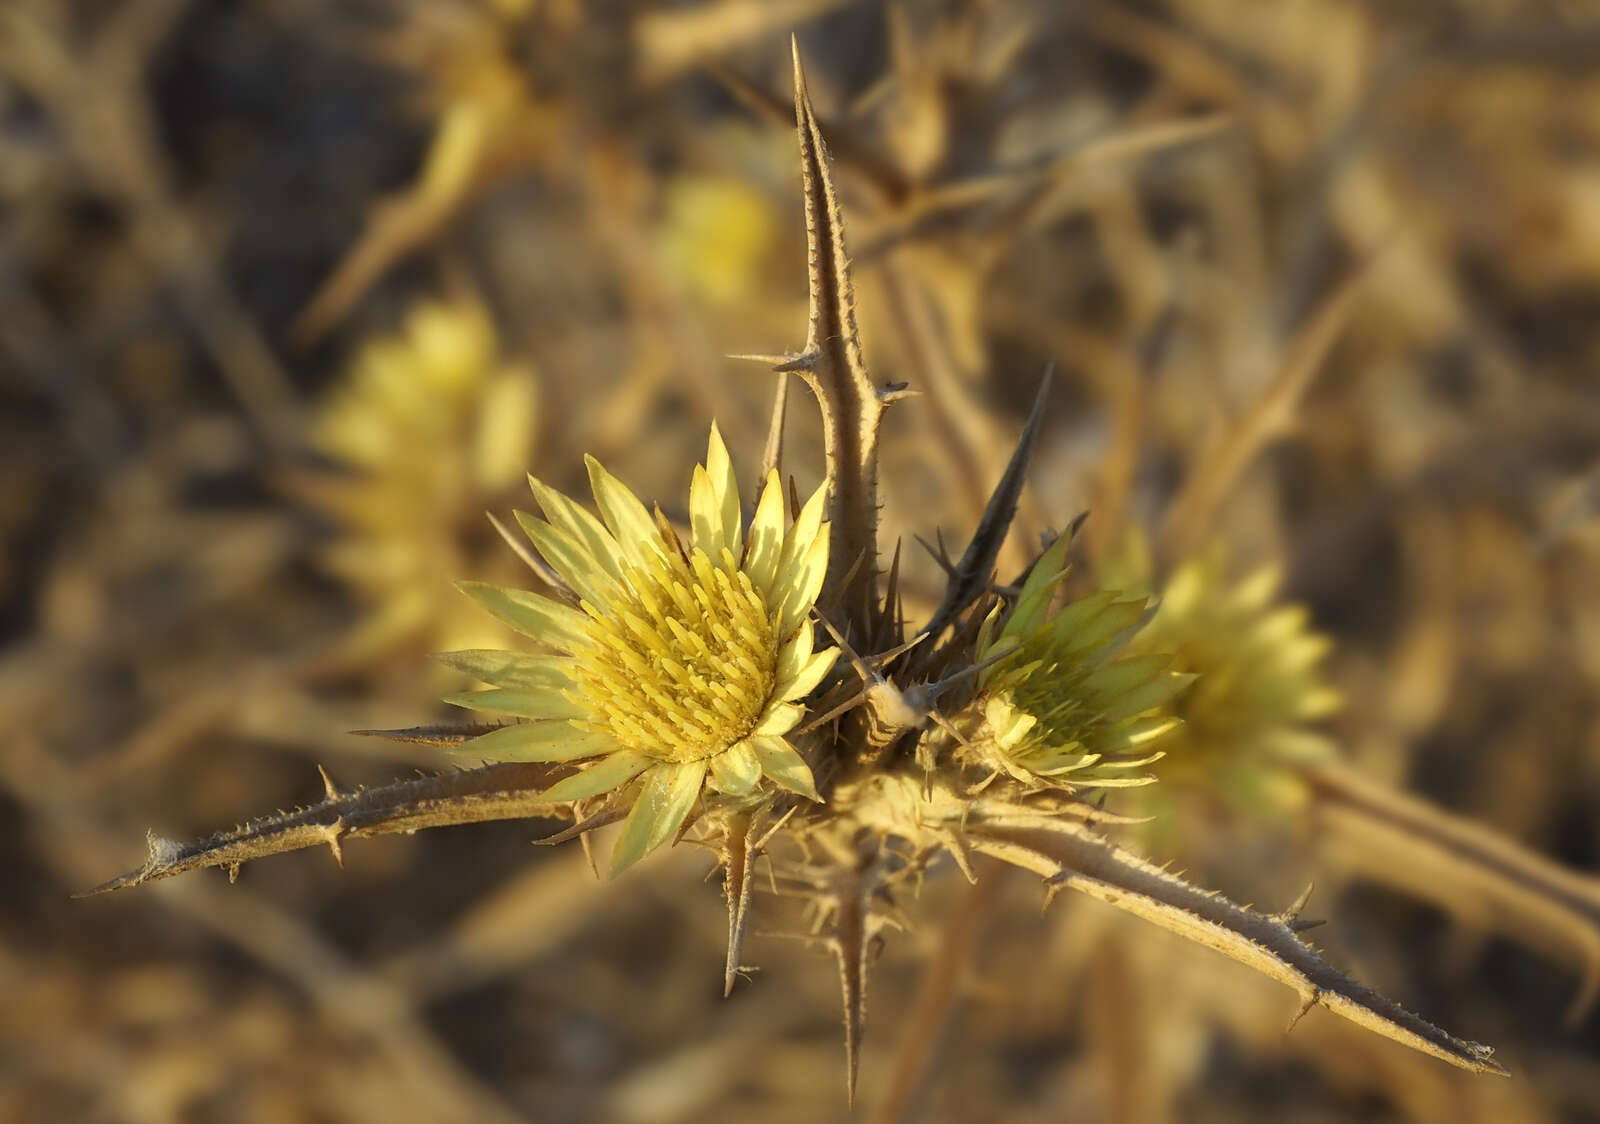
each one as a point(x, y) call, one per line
point(1067, 703)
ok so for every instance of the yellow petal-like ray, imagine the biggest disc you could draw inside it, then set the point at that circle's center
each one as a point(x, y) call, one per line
point(520, 704)
point(535, 741)
point(605, 775)
point(571, 560)
point(714, 501)
point(664, 802)
point(630, 524)
point(798, 541)
point(804, 587)
point(536, 617)
point(766, 536)
point(778, 718)
point(581, 526)
point(737, 771)
point(795, 653)
point(511, 670)
point(805, 680)
point(782, 764)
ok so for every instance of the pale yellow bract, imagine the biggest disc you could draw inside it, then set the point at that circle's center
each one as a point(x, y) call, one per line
point(682, 665)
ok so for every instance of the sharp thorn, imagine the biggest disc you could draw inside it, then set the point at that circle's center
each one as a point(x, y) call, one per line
point(783, 364)
point(760, 845)
point(331, 835)
point(1291, 915)
point(327, 784)
point(582, 827)
point(736, 886)
point(523, 550)
point(1306, 1004)
point(970, 577)
point(937, 555)
point(586, 841)
point(772, 451)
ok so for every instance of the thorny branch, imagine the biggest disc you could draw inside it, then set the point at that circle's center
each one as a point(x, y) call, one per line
point(1482, 877)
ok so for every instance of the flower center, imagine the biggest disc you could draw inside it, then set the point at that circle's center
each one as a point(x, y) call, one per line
point(681, 665)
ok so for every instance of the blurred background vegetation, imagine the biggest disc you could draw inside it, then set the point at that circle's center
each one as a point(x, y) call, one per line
point(294, 291)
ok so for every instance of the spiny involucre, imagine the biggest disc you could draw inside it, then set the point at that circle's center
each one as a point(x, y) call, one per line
point(1062, 705)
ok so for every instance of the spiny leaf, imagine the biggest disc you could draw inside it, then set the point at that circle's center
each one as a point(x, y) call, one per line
point(441, 737)
point(737, 851)
point(850, 945)
point(1073, 856)
point(494, 792)
point(1462, 866)
point(833, 368)
point(970, 577)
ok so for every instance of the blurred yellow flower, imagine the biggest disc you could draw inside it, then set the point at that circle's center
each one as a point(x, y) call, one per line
point(431, 426)
point(1257, 663)
point(715, 233)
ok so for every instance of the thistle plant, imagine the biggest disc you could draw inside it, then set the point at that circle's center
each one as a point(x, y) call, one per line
point(752, 686)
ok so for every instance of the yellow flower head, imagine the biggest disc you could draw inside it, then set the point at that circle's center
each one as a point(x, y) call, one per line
point(439, 384)
point(1257, 661)
point(1066, 707)
point(714, 235)
point(680, 665)
point(428, 426)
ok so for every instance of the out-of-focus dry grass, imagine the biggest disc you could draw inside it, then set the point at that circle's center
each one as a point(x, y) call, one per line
point(1321, 281)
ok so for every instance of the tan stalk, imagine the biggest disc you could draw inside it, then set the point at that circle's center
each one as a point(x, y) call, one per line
point(1268, 417)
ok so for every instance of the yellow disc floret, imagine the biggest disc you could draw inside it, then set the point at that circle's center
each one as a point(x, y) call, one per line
point(683, 663)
